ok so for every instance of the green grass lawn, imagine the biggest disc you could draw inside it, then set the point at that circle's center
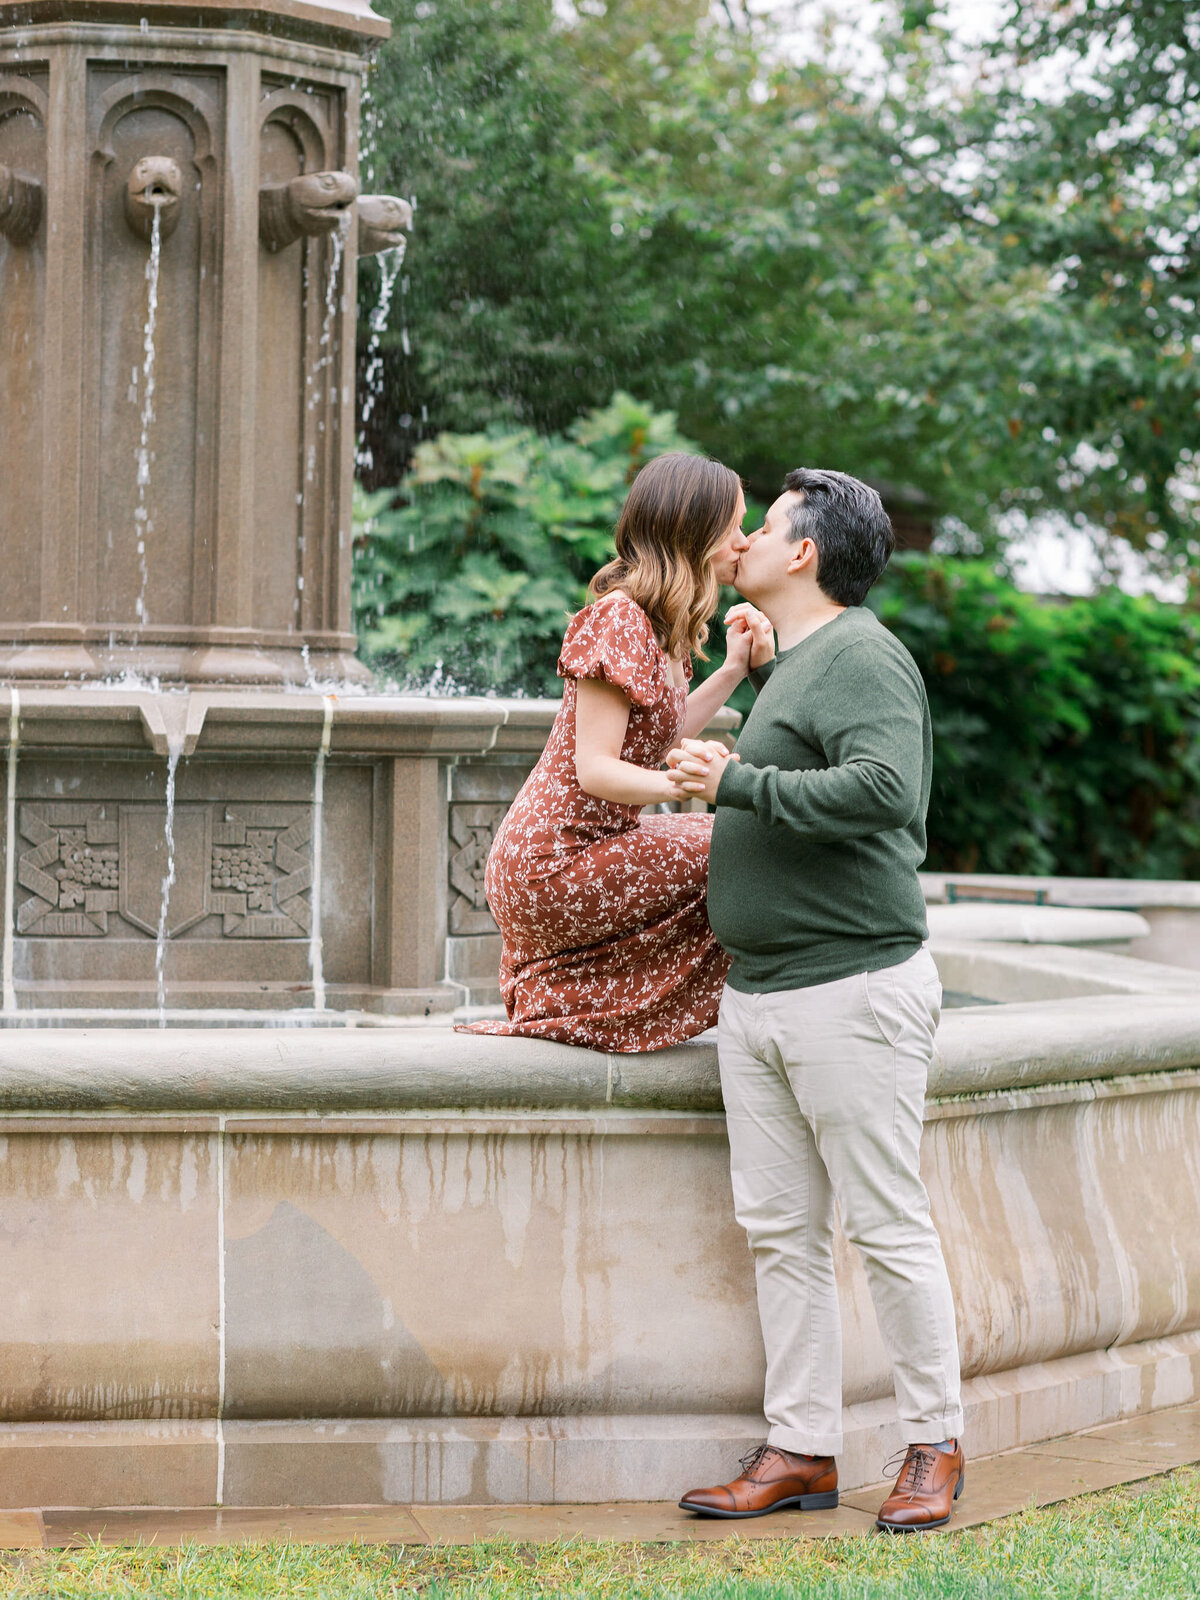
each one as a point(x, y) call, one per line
point(1143, 1541)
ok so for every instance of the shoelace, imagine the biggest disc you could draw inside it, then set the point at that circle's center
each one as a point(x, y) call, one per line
point(917, 1464)
point(752, 1458)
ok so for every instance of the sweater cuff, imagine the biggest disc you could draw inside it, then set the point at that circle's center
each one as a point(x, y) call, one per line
point(735, 786)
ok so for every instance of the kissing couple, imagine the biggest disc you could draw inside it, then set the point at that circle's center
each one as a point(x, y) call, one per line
point(793, 919)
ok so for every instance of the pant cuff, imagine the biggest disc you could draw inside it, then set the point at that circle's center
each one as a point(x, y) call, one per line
point(948, 1427)
point(804, 1444)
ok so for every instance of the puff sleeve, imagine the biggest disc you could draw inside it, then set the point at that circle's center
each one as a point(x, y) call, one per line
point(612, 639)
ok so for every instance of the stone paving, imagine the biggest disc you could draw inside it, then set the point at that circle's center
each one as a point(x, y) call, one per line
point(997, 1486)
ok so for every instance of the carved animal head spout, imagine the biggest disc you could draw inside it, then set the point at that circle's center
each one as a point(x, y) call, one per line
point(155, 184)
point(382, 219)
point(313, 204)
point(20, 206)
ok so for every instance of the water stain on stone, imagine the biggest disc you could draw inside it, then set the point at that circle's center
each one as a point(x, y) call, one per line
point(307, 1328)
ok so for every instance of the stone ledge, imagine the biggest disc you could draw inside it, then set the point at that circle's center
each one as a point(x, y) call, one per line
point(1019, 972)
point(1018, 924)
point(247, 721)
point(980, 1050)
point(1127, 894)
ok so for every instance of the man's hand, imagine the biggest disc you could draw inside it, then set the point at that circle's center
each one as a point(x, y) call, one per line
point(744, 619)
point(696, 767)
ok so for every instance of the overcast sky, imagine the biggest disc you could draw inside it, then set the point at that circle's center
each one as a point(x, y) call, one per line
point(969, 20)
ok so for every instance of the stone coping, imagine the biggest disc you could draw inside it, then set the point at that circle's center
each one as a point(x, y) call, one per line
point(980, 1051)
point(353, 19)
point(249, 720)
point(1025, 924)
point(1113, 893)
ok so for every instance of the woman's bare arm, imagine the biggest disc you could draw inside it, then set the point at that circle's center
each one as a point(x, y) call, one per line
point(707, 698)
point(601, 718)
point(748, 641)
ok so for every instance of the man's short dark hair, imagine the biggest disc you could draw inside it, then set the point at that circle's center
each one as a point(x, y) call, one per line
point(846, 521)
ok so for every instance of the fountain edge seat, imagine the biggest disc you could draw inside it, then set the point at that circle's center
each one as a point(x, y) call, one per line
point(980, 1051)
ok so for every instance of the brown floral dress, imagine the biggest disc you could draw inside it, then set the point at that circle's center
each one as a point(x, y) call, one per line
point(606, 935)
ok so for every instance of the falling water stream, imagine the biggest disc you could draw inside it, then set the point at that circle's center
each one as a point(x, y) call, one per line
point(326, 347)
point(10, 850)
point(174, 751)
point(390, 262)
point(141, 515)
point(316, 950)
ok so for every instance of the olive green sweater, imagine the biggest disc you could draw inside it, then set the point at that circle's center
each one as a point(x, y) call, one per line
point(820, 827)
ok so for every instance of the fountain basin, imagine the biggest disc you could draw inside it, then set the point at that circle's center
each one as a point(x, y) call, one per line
point(411, 1265)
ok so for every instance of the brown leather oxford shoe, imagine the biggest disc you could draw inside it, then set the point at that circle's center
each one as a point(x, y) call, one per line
point(930, 1482)
point(771, 1480)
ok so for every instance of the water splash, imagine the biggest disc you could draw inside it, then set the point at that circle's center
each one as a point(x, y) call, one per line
point(174, 751)
point(390, 262)
point(141, 514)
point(316, 949)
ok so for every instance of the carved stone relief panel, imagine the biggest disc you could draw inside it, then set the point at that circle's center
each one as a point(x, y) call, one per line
point(472, 829)
point(261, 872)
point(146, 863)
point(71, 865)
point(248, 865)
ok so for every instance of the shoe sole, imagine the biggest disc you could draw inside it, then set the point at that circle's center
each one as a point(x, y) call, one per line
point(920, 1527)
point(802, 1502)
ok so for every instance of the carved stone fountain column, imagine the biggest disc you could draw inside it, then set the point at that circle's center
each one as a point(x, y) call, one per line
point(239, 127)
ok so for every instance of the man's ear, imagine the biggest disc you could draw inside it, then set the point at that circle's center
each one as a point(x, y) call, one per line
point(804, 554)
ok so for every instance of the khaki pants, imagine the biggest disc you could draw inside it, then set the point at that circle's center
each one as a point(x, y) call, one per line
point(825, 1097)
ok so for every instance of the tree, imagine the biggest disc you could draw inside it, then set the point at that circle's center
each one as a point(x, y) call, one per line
point(945, 280)
point(506, 312)
point(644, 199)
point(1072, 158)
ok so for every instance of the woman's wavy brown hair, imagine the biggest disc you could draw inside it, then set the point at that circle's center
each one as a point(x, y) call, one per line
point(675, 517)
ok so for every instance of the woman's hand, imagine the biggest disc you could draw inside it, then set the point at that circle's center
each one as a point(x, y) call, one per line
point(750, 629)
point(738, 643)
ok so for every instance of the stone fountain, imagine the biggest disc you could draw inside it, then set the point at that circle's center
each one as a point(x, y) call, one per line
point(402, 1264)
point(180, 226)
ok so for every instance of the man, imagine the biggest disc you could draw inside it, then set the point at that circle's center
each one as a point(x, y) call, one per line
point(828, 1018)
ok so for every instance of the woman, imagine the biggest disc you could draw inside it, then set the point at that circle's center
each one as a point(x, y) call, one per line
point(606, 936)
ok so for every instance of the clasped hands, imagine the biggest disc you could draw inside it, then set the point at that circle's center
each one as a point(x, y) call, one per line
point(696, 768)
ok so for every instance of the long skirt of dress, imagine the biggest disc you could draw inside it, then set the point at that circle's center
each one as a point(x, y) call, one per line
point(609, 946)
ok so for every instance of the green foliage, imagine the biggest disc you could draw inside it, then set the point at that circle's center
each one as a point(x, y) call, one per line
point(1067, 737)
point(1092, 189)
point(943, 279)
point(646, 199)
point(471, 571)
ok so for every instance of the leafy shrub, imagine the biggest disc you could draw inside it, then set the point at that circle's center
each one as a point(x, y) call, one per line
point(1066, 736)
point(471, 570)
